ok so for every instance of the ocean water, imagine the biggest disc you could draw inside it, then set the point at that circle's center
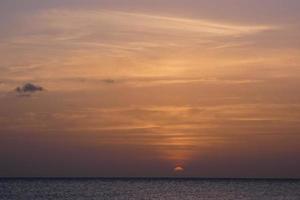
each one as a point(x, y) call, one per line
point(158, 189)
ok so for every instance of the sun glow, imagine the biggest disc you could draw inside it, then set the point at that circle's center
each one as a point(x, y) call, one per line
point(178, 169)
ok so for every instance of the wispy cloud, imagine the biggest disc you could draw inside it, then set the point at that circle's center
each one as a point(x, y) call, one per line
point(85, 25)
point(194, 25)
point(63, 43)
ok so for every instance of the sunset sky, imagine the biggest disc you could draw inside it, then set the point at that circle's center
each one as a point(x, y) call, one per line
point(150, 88)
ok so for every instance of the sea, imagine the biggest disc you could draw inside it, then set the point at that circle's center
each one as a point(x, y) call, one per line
point(148, 188)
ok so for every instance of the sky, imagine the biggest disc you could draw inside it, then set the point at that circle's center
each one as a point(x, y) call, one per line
point(150, 88)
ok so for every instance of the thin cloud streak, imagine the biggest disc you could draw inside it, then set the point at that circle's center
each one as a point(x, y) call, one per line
point(194, 25)
point(61, 19)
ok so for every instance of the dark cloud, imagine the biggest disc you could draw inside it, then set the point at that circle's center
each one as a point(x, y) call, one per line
point(29, 88)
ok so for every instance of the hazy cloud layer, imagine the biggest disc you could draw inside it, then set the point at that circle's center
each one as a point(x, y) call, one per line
point(62, 42)
point(189, 135)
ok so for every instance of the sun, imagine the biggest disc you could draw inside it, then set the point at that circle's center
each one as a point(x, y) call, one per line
point(178, 169)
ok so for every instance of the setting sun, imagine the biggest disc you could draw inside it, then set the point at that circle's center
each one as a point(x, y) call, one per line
point(178, 169)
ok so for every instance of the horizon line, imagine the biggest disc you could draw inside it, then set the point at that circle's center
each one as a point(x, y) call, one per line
point(153, 178)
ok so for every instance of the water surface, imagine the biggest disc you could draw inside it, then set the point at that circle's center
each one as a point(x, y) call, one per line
point(206, 189)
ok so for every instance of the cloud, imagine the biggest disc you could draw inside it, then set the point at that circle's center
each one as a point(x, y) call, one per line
point(60, 18)
point(109, 81)
point(29, 88)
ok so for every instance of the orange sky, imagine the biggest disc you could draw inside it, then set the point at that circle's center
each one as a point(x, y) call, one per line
point(133, 88)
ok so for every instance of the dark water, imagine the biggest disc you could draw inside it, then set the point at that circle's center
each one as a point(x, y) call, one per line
point(89, 189)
